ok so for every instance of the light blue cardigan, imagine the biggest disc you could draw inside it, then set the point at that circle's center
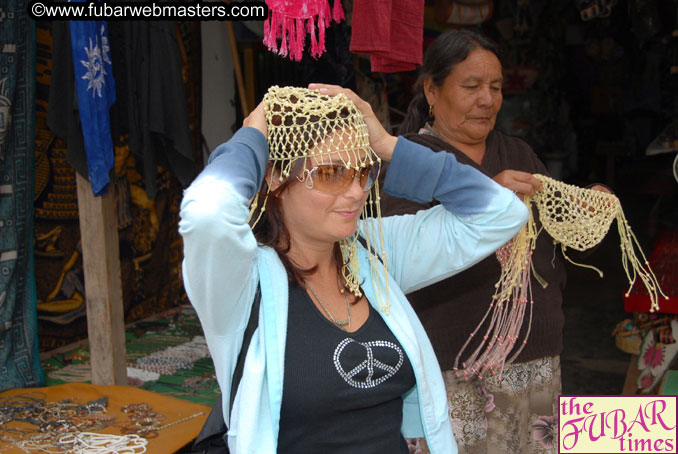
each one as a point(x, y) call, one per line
point(223, 265)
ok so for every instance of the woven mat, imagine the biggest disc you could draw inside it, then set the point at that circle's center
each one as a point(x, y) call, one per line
point(173, 328)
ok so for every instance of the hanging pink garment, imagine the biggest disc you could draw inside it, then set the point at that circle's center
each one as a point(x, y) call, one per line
point(391, 32)
point(290, 20)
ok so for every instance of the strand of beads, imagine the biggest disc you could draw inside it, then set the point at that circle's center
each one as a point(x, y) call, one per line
point(146, 422)
point(94, 443)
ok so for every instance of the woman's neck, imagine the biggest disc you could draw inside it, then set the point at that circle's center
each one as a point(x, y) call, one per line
point(307, 256)
point(472, 149)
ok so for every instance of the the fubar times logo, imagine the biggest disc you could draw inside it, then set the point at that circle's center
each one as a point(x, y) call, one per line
point(617, 424)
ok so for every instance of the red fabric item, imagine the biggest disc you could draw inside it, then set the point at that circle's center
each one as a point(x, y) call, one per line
point(664, 264)
point(391, 32)
point(290, 20)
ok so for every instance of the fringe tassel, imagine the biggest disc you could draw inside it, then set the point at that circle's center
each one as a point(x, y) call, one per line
point(272, 31)
point(321, 34)
point(298, 49)
point(291, 31)
point(506, 312)
point(639, 268)
point(315, 50)
point(283, 40)
point(267, 32)
point(337, 11)
point(291, 37)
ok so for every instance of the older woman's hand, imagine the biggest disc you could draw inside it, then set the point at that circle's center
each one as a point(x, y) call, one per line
point(522, 183)
point(382, 142)
point(601, 188)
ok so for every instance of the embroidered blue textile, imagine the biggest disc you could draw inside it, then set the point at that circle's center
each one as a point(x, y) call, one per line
point(95, 89)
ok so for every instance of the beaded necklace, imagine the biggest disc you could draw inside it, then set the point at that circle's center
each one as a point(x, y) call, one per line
point(340, 323)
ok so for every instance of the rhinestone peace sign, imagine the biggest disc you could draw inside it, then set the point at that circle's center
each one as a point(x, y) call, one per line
point(370, 363)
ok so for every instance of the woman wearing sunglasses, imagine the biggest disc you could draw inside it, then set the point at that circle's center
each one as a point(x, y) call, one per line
point(339, 362)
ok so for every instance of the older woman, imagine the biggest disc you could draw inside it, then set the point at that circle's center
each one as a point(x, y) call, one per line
point(455, 108)
point(339, 362)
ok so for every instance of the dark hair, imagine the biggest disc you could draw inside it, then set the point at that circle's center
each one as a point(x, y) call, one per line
point(449, 49)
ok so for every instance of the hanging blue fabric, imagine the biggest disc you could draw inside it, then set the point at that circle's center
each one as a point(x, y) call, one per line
point(95, 88)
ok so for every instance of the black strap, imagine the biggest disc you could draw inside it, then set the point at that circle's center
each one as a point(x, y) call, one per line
point(252, 325)
point(212, 436)
point(370, 249)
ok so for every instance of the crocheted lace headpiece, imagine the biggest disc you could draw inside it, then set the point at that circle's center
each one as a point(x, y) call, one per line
point(574, 217)
point(304, 124)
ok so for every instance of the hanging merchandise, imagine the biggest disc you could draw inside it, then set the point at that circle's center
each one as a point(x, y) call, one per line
point(290, 20)
point(574, 217)
point(664, 261)
point(154, 135)
point(395, 41)
point(469, 12)
point(152, 107)
point(96, 94)
point(656, 355)
point(592, 9)
point(334, 67)
point(19, 359)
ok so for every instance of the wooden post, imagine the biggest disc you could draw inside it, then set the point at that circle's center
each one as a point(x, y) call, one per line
point(103, 285)
point(248, 56)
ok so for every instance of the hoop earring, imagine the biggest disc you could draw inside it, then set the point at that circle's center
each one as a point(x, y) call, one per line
point(430, 111)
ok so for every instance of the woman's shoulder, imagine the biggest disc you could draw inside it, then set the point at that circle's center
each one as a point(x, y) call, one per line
point(517, 151)
point(431, 141)
point(513, 143)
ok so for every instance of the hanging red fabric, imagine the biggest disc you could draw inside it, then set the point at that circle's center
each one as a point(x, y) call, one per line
point(391, 32)
point(290, 20)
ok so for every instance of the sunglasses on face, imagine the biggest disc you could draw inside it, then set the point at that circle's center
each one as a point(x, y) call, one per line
point(336, 178)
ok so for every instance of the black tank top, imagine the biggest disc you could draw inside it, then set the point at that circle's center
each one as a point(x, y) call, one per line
point(342, 392)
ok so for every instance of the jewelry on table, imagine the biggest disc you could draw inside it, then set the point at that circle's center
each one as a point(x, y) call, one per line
point(52, 421)
point(145, 422)
point(94, 443)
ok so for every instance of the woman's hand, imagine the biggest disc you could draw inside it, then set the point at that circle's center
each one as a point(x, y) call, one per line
point(601, 188)
point(522, 183)
point(382, 142)
point(257, 119)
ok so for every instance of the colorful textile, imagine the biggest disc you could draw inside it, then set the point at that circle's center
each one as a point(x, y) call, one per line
point(290, 19)
point(150, 246)
point(174, 335)
point(96, 94)
point(664, 262)
point(19, 360)
point(391, 32)
point(515, 414)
